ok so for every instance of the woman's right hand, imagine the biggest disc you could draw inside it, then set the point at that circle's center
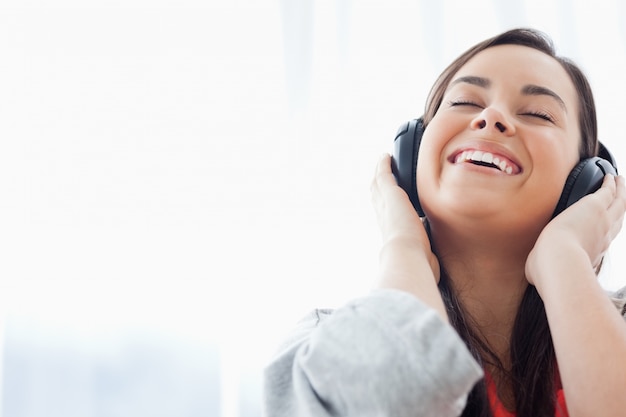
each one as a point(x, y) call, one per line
point(407, 261)
point(397, 217)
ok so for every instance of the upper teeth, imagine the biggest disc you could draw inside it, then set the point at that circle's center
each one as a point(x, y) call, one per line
point(487, 157)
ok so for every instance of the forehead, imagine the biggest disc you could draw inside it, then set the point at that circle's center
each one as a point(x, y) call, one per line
point(516, 66)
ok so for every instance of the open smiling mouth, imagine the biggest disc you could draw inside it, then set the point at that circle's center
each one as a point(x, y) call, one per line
point(487, 159)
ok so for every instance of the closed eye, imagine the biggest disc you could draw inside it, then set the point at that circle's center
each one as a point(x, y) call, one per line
point(541, 115)
point(453, 103)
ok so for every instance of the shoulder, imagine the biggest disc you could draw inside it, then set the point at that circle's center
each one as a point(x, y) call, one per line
point(385, 353)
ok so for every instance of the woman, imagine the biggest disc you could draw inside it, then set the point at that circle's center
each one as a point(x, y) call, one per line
point(496, 309)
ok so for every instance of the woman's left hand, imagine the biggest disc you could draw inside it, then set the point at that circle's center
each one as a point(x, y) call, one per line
point(588, 226)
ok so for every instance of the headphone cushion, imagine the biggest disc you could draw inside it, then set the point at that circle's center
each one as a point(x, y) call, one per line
point(584, 179)
point(404, 161)
point(569, 186)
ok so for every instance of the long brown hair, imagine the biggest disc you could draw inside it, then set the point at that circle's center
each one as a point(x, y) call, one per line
point(533, 373)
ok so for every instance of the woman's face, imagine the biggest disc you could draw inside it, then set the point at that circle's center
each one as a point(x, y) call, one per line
point(503, 141)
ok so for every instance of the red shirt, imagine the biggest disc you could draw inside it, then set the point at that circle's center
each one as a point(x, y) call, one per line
point(499, 411)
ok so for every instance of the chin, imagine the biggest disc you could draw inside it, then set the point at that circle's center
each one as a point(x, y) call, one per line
point(477, 217)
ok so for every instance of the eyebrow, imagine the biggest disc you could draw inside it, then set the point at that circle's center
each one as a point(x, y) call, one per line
point(471, 79)
point(529, 90)
point(537, 90)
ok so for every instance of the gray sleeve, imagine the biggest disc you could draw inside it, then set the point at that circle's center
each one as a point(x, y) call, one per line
point(386, 354)
point(619, 299)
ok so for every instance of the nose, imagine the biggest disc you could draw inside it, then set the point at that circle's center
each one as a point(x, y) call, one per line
point(491, 118)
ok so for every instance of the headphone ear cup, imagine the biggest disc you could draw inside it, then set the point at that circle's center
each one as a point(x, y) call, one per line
point(404, 160)
point(569, 185)
point(604, 153)
point(584, 179)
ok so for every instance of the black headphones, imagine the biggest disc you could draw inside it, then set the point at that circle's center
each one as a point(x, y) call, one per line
point(585, 178)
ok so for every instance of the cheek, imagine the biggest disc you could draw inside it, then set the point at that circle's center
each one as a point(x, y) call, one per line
point(551, 176)
point(428, 174)
point(556, 159)
point(428, 162)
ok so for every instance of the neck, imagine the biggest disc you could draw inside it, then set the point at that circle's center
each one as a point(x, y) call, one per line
point(487, 272)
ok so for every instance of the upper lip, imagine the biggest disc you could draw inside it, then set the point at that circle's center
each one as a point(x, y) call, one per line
point(493, 148)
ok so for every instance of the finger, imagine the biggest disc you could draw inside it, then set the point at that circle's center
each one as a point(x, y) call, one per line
point(609, 185)
point(384, 175)
point(606, 193)
point(617, 209)
point(382, 182)
point(384, 163)
point(618, 203)
point(620, 191)
point(380, 168)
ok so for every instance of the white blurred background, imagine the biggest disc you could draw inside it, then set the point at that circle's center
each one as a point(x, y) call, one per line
point(182, 180)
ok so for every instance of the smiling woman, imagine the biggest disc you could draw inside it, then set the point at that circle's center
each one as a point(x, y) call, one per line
point(488, 283)
point(489, 93)
point(182, 179)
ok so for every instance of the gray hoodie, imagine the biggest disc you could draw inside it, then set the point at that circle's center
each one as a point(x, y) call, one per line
point(383, 355)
